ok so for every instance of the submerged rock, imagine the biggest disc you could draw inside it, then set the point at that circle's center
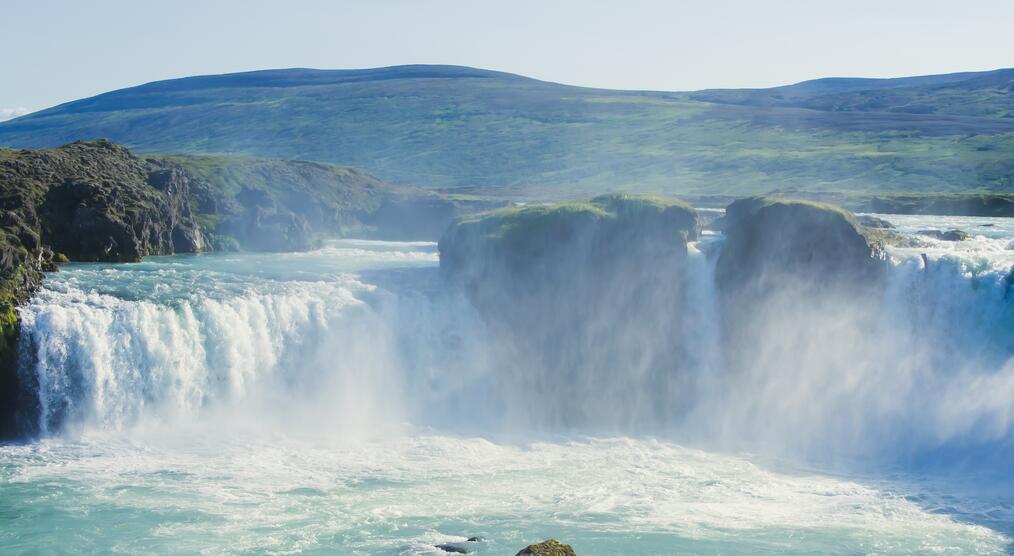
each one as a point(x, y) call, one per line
point(949, 235)
point(460, 547)
point(549, 547)
point(455, 548)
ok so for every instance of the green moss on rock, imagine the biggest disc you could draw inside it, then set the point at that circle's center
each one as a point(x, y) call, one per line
point(607, 224)
point(551, 547)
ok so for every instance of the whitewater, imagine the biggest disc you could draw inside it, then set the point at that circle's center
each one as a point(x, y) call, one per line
point(349, 400)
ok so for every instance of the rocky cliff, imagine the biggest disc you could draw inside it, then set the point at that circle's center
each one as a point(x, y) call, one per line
point(574, 291)
point(771, 241)
point(91, 201)
point(794, 275)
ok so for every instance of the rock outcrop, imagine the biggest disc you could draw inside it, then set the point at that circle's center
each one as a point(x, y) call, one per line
point(549, 547)
point(538, 245)
point(95, 201)
point(772, 242)
point(791, 272)
point(582, 287)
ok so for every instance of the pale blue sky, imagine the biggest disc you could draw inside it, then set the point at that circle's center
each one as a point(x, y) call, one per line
point(55, 51)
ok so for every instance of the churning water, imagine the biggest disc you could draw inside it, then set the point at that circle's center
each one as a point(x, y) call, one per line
point(347, 400)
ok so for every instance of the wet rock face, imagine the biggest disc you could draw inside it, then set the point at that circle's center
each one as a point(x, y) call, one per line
point(790, 271)
point(770, 242)
point(550, 547)
point(534, 247)
point(578, 288)
point(515, 261)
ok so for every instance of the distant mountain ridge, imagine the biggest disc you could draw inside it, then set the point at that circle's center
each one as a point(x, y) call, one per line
point(476, 130)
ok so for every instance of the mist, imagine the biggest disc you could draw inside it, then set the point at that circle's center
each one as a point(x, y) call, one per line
point(910, 368)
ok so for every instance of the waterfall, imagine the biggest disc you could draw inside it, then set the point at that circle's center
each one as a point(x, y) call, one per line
point(926, 366)
point(107, 362)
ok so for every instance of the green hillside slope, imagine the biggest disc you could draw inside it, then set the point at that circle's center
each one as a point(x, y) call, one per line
point(491, 132)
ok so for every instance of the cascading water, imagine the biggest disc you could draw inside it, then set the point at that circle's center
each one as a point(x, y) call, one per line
point(344, 398)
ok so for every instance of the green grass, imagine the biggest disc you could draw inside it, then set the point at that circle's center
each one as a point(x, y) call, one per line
point(472, 132)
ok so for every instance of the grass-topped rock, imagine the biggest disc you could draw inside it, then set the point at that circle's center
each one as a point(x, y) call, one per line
point(97, 201)
point(771, 241)
point(790, 271)
point(540, 238)
point(581, 287)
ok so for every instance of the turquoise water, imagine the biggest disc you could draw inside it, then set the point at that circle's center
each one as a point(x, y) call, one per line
point(194, 491)
point(343, 401)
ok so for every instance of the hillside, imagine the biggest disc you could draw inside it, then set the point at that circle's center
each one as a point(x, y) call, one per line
point(981, 94)
point(238, 198)
point(489, 132)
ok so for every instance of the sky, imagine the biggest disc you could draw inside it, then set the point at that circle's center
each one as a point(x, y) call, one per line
point(57, 51)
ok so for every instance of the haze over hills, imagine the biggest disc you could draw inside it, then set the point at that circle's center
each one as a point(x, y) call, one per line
point(475, 130)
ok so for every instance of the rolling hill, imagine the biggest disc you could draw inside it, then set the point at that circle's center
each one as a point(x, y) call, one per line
point(479, 131)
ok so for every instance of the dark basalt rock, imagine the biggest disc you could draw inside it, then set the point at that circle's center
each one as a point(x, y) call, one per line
point(95, 201)
point(549, 547)
point(460, 547)
point(949, 235)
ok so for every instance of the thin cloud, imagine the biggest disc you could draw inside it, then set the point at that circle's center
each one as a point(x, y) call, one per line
point(11, 113)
